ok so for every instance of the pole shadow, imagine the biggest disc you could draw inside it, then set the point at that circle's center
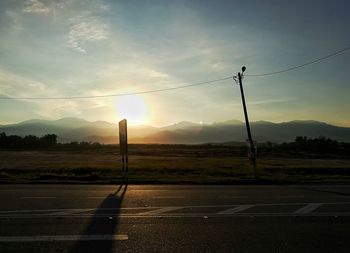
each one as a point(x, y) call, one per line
point(103, 223)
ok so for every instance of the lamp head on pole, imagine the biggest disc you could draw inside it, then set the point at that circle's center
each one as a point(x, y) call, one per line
point(243, 69)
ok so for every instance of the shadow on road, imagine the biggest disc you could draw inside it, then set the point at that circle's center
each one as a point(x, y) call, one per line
point(103, 223)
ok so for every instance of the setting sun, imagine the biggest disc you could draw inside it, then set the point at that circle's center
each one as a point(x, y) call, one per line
point(133, 108)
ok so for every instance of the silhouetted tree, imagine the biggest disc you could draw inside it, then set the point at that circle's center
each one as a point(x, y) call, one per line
point(30, 141)
point(48, 141)
point(320, 145)
point(3, 139)
point(27, 142)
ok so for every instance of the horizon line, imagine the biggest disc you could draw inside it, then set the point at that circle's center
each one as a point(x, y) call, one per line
point(177, 122)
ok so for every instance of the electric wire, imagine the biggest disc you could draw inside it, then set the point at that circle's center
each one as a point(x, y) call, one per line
point(302, 65)
point(117, 95)
point(178, 87)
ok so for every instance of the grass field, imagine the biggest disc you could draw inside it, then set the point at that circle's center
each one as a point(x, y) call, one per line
point(104, 166)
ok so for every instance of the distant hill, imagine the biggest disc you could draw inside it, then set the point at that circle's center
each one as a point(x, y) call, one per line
point(75, 129)
point(180, 125)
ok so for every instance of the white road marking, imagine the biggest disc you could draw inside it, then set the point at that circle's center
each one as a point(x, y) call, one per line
point(308, 208)
point(38, 197)
point(235, 209)
point(157, 211)
point(194, 215)
point(160, 210)
point(72, 211)
point(52, 238)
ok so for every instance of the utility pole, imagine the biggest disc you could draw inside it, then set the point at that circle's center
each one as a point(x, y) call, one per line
point(252, 148)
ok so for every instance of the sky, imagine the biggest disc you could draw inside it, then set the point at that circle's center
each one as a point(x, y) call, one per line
point(99, 47)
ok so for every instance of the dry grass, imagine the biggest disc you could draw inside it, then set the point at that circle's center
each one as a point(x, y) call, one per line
point(104, 167)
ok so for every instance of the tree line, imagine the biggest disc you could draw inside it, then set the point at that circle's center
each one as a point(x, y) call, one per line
point(48, 141)
point(301, 146)
point(27, 142)
point(321, 145)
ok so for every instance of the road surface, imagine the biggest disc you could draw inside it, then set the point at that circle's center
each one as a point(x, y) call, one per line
point(168, 218)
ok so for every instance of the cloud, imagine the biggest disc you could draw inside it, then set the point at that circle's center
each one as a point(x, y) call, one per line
point(16, 25)
point(14, 85)
point(86, 29)
point(36, 6)
point(273, 101)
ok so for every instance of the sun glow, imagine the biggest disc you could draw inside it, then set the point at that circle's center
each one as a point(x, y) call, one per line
point(133, 108)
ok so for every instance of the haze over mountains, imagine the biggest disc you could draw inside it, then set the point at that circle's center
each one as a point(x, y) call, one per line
point(75, 129)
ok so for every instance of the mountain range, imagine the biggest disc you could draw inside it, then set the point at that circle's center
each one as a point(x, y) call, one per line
point(75, 129)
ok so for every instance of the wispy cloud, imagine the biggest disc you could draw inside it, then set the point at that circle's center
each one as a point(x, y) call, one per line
point(85, 30)
point(16, 26)
point(273, 101)
point(14, 85)
point(35, 6)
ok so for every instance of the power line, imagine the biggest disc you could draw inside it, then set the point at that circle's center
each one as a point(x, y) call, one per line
point(304, 64)
point(178, 87)
point(117, 95)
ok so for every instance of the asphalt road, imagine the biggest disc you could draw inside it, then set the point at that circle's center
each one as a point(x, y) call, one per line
point(168, 218)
